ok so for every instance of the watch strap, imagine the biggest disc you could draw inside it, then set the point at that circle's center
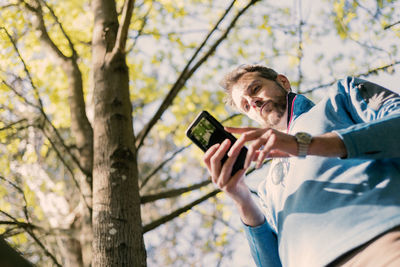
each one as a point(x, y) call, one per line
point(303, 141)
point(302, 149)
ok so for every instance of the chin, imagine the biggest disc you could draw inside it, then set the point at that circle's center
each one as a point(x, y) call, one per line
point(273, 120)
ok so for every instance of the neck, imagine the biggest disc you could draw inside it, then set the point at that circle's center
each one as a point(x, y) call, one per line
point(282, 125)
point(284, 122)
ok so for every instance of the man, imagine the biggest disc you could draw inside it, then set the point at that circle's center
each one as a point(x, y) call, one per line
point(332, 193)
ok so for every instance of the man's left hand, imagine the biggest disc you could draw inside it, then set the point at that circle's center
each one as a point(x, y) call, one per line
point(267, 143)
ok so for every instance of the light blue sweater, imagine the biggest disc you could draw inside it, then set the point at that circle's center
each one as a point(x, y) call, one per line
point(325, 207)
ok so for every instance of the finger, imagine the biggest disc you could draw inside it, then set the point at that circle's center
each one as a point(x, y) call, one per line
point(226, 171)
point(262, 155)
point(280, 145)
point(247, 136)
point(209, 153)
point(252, 158)
point(253, 151)
point(249, 157)
point(207, 158)
point(239, 130)
point(231, 161)
point(252, 155)
point(215, 161)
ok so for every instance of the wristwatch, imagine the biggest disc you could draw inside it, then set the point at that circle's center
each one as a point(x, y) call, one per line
point(303, 141)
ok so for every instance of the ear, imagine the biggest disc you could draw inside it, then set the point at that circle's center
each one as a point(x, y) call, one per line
point(282, 80)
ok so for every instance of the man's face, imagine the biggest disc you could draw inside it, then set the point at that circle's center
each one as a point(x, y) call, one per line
point(262, 100)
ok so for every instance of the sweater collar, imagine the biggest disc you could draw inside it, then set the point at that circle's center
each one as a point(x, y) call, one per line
point(297, 105)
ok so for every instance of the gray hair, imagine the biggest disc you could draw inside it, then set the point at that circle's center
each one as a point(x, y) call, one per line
point(231, 78)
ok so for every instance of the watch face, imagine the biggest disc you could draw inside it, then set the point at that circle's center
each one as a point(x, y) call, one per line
point(303, 137)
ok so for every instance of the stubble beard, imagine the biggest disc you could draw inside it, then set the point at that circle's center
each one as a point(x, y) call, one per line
point(275, 113)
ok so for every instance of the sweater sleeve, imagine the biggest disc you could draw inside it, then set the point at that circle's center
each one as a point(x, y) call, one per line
point(263, 245)
point(376, 113)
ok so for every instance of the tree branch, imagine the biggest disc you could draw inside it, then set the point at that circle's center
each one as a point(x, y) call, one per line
point(29, 103)
point(300, 52)
point(187, 73)
point(10, 125)
point(28, 74)
point(391, 25)
point(122, 34)
point(24, 225)
point(42, 246)
point(12, 231)
point(19, 189)
point(80, 125)
point(159, 167)
point(376, 70)
point(36, 9)
point(140, 31)
point(71, 45)
point(29, 230)
point(162, 164)
point(56, 141)
point(40, 103)
point(61, 158)
point(8, 5)
point(363, 44)
point(178, 212)
point(365, 74)
point(173, 192)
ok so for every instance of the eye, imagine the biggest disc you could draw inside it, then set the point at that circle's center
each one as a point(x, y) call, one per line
point(255, 89)
point(246, 107)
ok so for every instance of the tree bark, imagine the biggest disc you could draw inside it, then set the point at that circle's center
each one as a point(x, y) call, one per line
point(117, 226)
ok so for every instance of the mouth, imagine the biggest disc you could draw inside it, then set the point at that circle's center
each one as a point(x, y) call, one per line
point(266, 107)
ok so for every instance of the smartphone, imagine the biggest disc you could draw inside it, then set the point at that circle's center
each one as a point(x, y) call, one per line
point(205, 131)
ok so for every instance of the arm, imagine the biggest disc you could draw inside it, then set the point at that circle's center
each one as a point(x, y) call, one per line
point(376, 111)
point(263, 245)
point(374, 135)
point(262, 241)
point(268, 142)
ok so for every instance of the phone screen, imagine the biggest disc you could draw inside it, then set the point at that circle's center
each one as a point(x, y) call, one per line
point(205, 131)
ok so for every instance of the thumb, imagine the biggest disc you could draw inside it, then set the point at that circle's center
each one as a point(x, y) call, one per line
point(237, 176)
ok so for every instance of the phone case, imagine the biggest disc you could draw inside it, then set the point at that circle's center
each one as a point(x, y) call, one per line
point(205, 131)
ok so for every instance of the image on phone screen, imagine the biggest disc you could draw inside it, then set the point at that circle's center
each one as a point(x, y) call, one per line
point(205, 131)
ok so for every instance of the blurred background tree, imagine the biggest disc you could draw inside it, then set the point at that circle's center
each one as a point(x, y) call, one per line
point(95, 97)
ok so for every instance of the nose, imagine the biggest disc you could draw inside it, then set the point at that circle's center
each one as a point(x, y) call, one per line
point(256, 103)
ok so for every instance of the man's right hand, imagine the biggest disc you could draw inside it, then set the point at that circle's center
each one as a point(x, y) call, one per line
point(234, 186)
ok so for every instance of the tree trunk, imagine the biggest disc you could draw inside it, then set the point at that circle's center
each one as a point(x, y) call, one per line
point(117, 226)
